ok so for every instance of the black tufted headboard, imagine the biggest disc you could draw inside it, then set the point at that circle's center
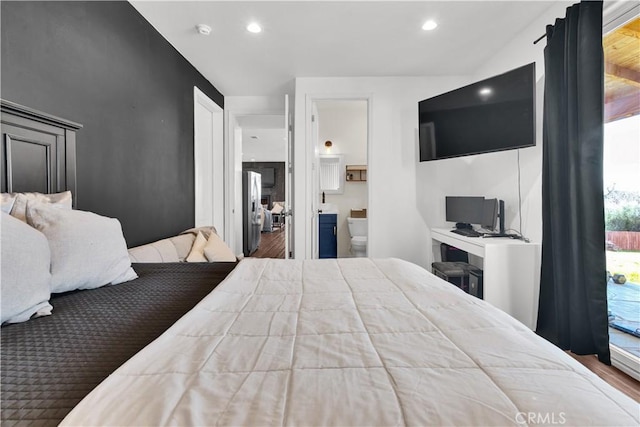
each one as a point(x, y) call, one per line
point(38, 152)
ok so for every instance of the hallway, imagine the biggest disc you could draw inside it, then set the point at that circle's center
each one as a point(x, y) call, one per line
point(271, 244)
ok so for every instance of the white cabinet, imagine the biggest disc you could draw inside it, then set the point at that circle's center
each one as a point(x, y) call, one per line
point(511, 270)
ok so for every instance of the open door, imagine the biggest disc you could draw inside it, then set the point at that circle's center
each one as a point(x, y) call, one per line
point(315, 182)
point(208, 162)
point(288, 235)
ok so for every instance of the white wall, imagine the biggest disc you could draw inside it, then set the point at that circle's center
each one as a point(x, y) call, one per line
point(406, 197)
point(344, 123)
point(397, 227)
point(496, 174)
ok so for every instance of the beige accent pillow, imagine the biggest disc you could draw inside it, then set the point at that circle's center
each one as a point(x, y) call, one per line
point(216, 250)
point(87, 250)
point(172, 249)
point(25, 277)
point(206, 231)
point(183, 244)
point(7, 202)
point(62, 200)
point(277, 208)
point(197, 250)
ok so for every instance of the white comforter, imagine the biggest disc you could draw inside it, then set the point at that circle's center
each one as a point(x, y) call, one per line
point(349, 342)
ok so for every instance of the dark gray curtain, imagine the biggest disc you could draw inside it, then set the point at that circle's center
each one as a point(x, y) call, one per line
point(573, 294)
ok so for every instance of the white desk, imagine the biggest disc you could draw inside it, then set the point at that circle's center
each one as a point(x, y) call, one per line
point(511, 270)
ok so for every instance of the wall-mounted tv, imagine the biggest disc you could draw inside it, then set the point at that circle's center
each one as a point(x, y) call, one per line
point(268, 176)
point(490, 115)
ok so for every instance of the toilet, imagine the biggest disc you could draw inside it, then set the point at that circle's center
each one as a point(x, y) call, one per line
point(358, 233)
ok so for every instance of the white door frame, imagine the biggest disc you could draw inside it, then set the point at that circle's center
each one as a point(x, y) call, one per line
point(288, 183)
point(233, 189)
point(312, 195)
point(233, 163)
point(208, 153)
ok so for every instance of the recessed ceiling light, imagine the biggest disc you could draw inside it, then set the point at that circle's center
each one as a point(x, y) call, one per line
point(203, 29)
point(429, 25)
point(254, 27)
point(485, 91)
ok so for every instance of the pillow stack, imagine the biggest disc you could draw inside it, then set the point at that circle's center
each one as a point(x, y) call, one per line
point(16, 203)
point(57, 250)
point(277, 209)
point(26, 278)
point(87, 250)
point(212, 249)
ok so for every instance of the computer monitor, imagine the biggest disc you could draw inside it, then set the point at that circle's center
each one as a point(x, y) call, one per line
point(464, 210)
point(490, 214)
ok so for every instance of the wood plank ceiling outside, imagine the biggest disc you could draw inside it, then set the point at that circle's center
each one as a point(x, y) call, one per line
point(622, 72)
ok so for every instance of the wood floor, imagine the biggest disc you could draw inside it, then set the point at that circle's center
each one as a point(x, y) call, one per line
point(612, 375)
point(271, 244)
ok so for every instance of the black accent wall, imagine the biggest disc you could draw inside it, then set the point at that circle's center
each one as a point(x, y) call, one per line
point(103, 65)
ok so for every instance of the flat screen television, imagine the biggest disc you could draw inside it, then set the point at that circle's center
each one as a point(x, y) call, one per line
point(490, 115)
point(268, 176)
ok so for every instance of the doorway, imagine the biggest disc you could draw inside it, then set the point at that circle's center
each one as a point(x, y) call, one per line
point(264, 152)
point(340, 135)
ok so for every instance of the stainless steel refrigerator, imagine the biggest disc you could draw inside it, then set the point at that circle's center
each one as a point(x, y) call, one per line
point(251, 227)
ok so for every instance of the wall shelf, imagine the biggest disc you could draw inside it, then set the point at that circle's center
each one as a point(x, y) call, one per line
point(356, 173)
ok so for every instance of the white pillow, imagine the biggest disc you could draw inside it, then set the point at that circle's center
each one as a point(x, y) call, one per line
point(87, 250)
point(25, 273)
point(277, 208)
point(217, 250)
point(62, 200)
point(197, 250)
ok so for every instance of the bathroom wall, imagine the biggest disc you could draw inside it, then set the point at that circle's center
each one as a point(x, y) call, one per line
point(344, 123)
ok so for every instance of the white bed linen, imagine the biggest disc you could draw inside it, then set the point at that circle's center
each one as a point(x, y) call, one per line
point(349, 342)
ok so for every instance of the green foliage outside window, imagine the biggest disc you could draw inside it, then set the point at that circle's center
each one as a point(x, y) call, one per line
point(624, 218)
point(622, 211)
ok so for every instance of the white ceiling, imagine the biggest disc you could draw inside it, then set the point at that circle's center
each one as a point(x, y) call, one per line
point(331, 39)
point(263, 138)
point(261, 121)
point(264, 145)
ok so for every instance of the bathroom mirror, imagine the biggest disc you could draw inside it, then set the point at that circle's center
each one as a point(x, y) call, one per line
point(332, 173)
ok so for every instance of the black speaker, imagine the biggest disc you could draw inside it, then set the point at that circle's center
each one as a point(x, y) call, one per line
point(475, 283)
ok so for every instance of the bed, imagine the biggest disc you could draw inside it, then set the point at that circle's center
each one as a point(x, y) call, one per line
point(349, 342)
point(49, 364)
point(283, 342)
